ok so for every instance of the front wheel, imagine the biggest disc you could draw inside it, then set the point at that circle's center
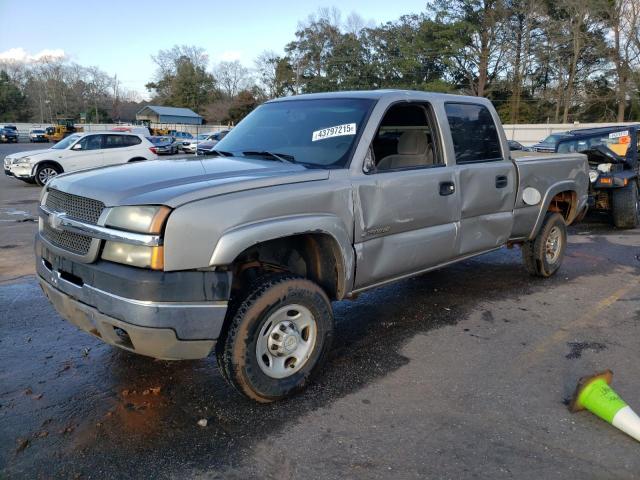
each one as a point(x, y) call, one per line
point(278, 338)
point(544, 254)
point(44, 173)
point(625, 205)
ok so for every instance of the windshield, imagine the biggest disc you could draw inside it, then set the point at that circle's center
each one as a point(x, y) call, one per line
point(318, 132)
point(66, 142)
point(203, 136)
point(553, 139)
point(617, 142)
point(37, 131)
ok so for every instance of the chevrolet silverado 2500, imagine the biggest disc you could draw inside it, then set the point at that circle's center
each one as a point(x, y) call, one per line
point(309, 200)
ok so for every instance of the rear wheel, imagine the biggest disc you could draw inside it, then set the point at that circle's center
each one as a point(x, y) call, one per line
point(45, 172)
point(625, 206)
point(544, 254)
point(278, 338)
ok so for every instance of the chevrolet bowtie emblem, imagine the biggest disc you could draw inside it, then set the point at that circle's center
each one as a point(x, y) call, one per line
point(55, 220)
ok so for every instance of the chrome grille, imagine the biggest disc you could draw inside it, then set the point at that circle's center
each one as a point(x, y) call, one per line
point(70, 241)
point(80, 208)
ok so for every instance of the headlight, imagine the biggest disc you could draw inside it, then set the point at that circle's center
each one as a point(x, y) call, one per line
point(135, 255)
point(605, 167)
point(21, 160)
point(593, 176)
point(140, 219)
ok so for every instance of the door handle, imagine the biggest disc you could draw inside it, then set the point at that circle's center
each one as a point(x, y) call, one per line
point(447, 188)
point(501, 181)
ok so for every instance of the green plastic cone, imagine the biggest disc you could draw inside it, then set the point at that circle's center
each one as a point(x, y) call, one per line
point(593, 393)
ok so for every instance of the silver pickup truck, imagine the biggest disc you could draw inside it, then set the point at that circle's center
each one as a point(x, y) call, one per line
point(310, 199)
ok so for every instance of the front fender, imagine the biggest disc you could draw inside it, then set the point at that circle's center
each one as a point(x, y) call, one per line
point(236, 240)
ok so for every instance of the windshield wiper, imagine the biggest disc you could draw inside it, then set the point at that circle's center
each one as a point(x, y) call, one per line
point(221, 153)
point(282, 157)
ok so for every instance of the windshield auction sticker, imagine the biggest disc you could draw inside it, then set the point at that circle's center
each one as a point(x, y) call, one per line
point(337, 131)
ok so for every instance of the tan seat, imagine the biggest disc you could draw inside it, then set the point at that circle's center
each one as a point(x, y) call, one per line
point(414, 150)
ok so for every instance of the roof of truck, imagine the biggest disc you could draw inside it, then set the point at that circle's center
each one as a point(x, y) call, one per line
point(383, 93)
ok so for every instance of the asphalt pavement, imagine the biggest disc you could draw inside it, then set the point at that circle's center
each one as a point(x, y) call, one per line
point(459, 373)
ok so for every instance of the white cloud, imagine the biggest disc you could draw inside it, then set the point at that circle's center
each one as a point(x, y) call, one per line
point(230, 55)
point(20, 55)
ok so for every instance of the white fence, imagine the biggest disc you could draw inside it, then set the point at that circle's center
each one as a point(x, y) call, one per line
point(25, 128)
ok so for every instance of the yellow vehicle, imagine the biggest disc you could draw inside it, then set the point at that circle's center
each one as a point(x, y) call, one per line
point(62, 128)
point(154, 131)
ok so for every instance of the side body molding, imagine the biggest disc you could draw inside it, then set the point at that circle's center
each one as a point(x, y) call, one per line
point(236, 240)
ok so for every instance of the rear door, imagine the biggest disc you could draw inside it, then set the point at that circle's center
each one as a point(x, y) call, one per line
point(486, 177)
point(121, 148)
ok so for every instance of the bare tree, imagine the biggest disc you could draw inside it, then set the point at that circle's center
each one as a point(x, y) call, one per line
point(232, 77)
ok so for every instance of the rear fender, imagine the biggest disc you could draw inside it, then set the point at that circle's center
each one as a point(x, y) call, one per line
point(556, 188)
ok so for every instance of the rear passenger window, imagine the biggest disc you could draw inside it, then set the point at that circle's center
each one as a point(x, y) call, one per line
point(474, 134)
point(114, 141)
point(120, 141)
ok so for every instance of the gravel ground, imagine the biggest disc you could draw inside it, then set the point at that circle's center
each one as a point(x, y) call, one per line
point(459, 373)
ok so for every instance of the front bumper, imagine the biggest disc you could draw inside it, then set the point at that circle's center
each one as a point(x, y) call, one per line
point(165, 315)
point(20, 170)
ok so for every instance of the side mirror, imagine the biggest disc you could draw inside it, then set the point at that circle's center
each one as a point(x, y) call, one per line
point(369, 162)
point(77, 146)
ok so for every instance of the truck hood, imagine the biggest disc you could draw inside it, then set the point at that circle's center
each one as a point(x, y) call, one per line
point(179, 181)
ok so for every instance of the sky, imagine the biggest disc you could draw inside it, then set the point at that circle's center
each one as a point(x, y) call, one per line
point(120, 36)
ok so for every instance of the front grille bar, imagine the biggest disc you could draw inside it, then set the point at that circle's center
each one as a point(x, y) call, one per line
point(60, 221)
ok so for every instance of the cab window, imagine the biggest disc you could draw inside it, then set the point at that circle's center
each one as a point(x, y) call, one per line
point(474, 133)
point(405, 139)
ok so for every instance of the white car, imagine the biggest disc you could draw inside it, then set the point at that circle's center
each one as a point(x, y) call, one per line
point(191, 146)
point(80, 151)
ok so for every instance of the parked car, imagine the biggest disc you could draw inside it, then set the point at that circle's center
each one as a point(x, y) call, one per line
point(38, 135)
point(515, 146)
point(8, 135)
point(165, 145)
point(311, 199)
point(191, 146)
point(79, 151)
point(180, 137)
point(207, 147)
point(614, 169)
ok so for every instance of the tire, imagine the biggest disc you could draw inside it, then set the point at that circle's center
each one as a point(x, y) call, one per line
point(45, 172)
point(625, 206)
point(275, 310)
point(543, 255)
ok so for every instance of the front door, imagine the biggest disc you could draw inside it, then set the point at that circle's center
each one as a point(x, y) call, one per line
point(407, 205)
point(486, 177)
point(85, 154)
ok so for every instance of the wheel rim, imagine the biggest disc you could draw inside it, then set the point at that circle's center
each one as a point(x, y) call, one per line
point(46, 174)
point(286, 341)
point(553, 245)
